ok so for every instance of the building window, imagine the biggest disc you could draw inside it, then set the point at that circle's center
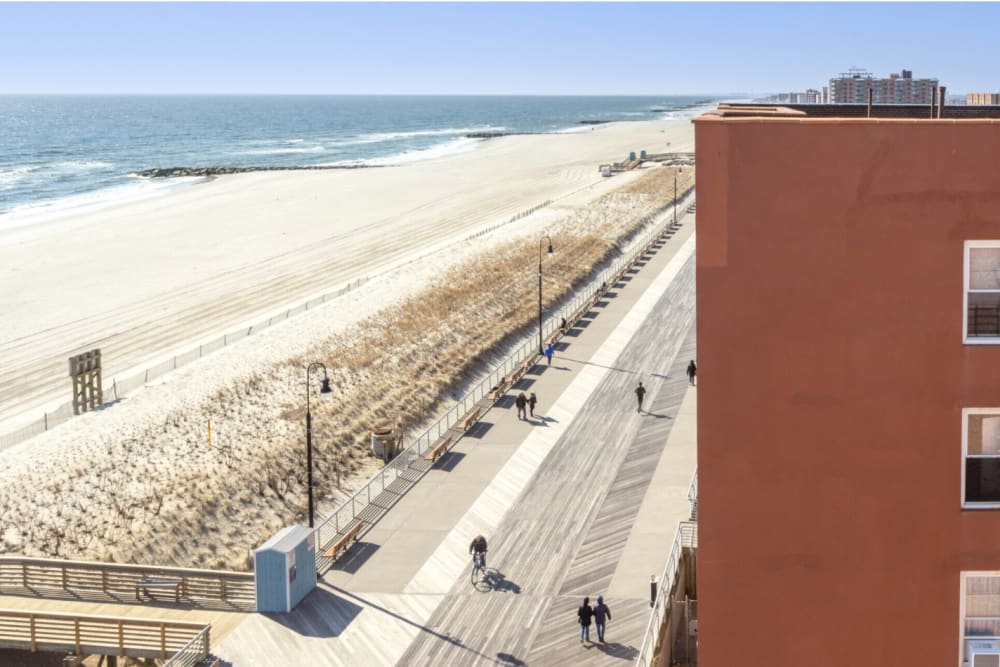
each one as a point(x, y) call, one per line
point(981, 457)
point(982, 292)
point(980, 609)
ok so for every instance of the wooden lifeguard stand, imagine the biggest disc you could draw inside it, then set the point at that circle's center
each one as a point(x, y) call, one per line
point(85, 371)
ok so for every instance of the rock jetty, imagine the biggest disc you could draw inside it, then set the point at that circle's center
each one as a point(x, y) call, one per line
point(171, 172)
point(487, 135)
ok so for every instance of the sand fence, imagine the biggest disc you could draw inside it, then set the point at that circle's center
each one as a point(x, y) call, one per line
point(122, 385)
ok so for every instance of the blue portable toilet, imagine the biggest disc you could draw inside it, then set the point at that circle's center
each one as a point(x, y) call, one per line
point(285, 569)
point(631, 156)
point(642, 154)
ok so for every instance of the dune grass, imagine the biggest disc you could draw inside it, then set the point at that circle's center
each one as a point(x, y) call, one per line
point(156, 493)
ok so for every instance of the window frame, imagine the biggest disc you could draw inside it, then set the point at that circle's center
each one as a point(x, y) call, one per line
point(962, 583)
point(966, 413)
point(968, 246)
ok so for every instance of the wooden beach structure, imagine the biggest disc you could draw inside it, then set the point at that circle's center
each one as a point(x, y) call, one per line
point(634, 161)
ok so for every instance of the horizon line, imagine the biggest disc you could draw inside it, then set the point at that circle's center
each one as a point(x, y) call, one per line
point(723, 94)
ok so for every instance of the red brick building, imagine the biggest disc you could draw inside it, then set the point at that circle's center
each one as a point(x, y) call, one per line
point(848, 302)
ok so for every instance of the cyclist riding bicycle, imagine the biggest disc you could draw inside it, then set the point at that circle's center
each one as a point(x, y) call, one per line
point(478, 548)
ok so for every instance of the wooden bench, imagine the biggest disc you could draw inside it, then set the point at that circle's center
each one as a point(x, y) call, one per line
point(469, 420)
point(498, 390)
point(434, 454)
point(144, 585)
point(344, 540)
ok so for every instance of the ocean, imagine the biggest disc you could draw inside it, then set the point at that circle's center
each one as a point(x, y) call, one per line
point(60, 153)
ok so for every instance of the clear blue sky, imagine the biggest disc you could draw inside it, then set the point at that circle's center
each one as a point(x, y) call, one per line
point(511, 48)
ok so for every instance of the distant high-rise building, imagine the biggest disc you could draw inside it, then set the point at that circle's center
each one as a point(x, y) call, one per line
point(983, 98)
point(813, 96)
point(852, 87)
point(826, 94)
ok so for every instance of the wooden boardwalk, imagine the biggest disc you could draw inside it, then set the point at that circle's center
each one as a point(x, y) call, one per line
point(560, 499)
point(562, 539)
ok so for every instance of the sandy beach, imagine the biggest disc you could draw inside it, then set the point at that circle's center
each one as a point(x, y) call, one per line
point(148, 277)
point(143, 278)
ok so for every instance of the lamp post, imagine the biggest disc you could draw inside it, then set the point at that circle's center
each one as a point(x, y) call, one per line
point(324, 389)
point(676, 171)
point(540, 349)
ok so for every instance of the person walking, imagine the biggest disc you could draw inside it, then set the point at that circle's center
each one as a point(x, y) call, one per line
point(692, 371)
point(640, 393)
point(532, 402)
point(602, 614)
point(548, 353)
point(521, 402)
point(584, 614)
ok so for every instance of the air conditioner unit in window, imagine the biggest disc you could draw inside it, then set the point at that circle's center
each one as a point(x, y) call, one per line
point(983, 653)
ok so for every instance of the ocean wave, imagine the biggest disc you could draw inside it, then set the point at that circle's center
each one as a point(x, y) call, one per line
point(453, 147)
point(43, 211)
point(381, 137)
point(8, 177)
point(80, 165)
point(283, 151)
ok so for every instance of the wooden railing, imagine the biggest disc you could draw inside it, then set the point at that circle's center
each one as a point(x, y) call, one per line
point(41, 575)
point(132, 637)
point(194, 653)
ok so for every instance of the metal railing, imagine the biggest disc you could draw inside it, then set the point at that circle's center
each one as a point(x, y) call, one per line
point(121, 386)
point(693, 495)
point(79, 577)
point(350, 510)
point(83, 634)
point(685, 536)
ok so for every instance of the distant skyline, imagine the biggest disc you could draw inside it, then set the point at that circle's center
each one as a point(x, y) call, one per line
point(488, 48)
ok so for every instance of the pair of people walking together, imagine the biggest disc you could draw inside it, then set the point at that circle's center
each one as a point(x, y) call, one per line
point(600, 613)
point(524, 403)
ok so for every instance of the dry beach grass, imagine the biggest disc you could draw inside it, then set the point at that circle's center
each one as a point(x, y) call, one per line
point(143, 485)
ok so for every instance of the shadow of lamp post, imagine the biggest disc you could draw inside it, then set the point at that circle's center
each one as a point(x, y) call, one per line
point(541, 350)
point(324, 389)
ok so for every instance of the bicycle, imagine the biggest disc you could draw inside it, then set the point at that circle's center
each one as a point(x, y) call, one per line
point(478, 566)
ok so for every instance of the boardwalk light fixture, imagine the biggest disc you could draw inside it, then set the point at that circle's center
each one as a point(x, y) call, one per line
point(676, 171)
point(324, 389)
point(541, 350)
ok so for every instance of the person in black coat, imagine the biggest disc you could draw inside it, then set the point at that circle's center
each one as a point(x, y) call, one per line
point(602, 614)
point(584, 614)
point(692, 371)
point(522, 403)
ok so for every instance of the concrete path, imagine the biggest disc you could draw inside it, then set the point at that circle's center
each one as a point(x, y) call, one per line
point(581, 500)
